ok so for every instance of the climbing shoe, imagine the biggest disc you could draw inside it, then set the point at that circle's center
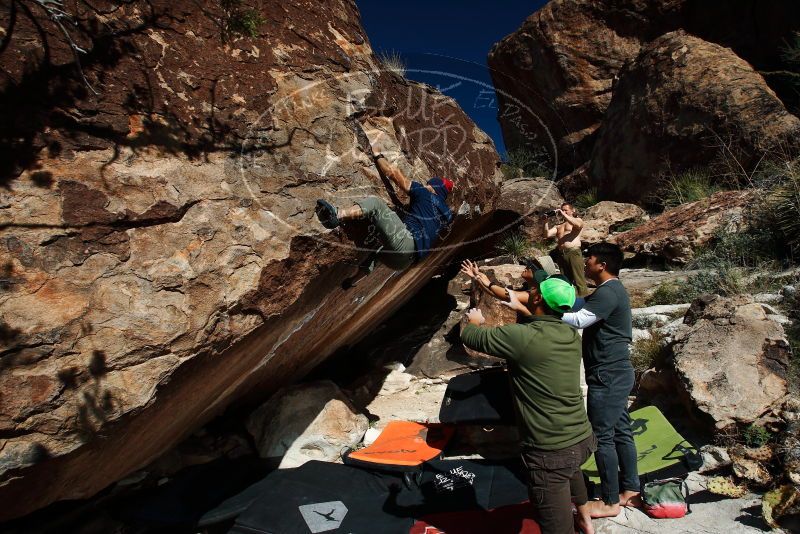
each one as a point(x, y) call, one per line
point(327, 214)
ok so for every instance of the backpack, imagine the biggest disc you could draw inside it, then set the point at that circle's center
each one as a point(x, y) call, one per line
point(665, 498)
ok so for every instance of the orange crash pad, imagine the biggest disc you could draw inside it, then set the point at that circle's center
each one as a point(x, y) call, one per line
point(403, 445)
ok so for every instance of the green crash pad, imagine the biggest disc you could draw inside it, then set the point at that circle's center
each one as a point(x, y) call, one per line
point(658, 444)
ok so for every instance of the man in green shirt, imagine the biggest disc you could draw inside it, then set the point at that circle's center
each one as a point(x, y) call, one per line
point(543, 356)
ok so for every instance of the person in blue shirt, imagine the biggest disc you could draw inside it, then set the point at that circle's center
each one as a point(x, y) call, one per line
point(406, 239)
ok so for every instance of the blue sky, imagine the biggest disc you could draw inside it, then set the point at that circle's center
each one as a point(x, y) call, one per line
point(451, 38)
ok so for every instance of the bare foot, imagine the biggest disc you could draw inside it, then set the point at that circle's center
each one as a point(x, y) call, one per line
point(583, 521)
point(630, 498)
point(601, 509)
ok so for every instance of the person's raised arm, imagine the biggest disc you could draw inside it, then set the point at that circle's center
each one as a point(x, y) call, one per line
point(580, 319)
point(576, 222)
point(471, 269)
point(516, 300)
point(549, 232)
point(393, 173)
point(495, 341)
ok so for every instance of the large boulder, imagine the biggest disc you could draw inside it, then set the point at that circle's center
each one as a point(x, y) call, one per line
point(554, 76)
point(527, 200)
point(495, 313)
point(675, 106)
point(313, 421)
point(528, 197)
point(732, 361)
point(678, 232)
point(160, 254)
point(607, 217)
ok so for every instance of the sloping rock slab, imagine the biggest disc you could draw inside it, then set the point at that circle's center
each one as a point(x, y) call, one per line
point(678, 232)
point(732, 361)
point(160, 254)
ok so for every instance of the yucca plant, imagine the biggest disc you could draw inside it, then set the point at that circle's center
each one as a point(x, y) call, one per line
point(648, 352)
point(790, 53)
point(687, 187)
point(586, 199)
point(528, 161)
point(515, 245)
point(784, 205)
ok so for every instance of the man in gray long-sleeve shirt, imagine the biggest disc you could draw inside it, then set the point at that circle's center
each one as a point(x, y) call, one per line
point(606, 320)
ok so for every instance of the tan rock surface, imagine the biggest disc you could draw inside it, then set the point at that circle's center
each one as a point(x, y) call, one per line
point(312, 421)
point(675, 106)
point(528, 196)
point(527, 199)
point(159, 254)
point(602, 219)
point(678, 232)
point(732, 361)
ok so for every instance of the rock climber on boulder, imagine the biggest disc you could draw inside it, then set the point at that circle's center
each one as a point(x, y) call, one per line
point(407, 239)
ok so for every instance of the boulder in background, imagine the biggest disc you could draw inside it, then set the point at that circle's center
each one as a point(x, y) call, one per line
point(732, 361)
point(313, 421)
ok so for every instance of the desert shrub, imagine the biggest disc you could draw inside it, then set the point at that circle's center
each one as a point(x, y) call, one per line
point(687, 187)
point(393, 62)
point(783, 204)
point(648, 352)
point(529, 161)
point(516, 245)
point(624, 227)
point(238, 21)
point(667, 293)
point(755, 436)
point(587, 199)
point(722, 279)
point(725, 280)
point(790, 52)
point(755, 247)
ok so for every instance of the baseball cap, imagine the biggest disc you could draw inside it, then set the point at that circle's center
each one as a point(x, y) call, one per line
point(545, 263)
point(557, 292)
point(448, 184)
point(442, 186)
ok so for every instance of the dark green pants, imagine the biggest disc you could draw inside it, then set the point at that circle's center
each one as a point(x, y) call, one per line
point(570, 261)
point(399, 251)
point(555, 480)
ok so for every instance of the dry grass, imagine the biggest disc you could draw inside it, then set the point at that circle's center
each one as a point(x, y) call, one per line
point(647, 353)
point(393, 62)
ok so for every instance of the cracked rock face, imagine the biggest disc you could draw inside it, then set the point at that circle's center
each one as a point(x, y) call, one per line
point(676, 105)
point(159, 254)
point(678, 232)
point(732, 361)
point(556, 75)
